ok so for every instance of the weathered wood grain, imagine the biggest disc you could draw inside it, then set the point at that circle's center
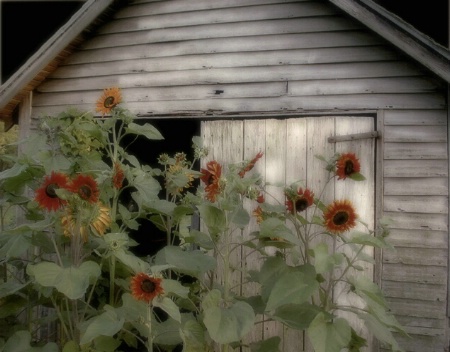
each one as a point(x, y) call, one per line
point(226, 45)
point(233, 59)
point(416, 151)
point(416, 168)
point(400, 273)
point(415, 134)
point(220, 30)
point(418, 238)
point(433, 186)
point(418, 117)
point(417, 204)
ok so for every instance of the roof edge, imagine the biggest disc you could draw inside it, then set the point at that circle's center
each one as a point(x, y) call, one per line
point(55, 44)
point(420, 47)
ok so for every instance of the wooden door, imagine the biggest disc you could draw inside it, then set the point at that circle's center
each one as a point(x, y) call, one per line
point(290, 147)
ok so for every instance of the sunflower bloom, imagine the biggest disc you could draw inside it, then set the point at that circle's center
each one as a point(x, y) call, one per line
point(145, 287)
point(175, 174)
point(118, 176)
point(46, 194)
point(211, 177)
point(79, 220)
point(347, 165)
point(340, 216)
point(108, 100)
point(250, 164)
point(258, 214)
point(101, 219)
point(299, 201)
point(86, 188)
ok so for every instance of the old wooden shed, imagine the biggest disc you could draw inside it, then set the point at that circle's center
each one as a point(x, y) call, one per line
point(293, 79)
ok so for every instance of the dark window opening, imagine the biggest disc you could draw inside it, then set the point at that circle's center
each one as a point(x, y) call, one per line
point(177, 135)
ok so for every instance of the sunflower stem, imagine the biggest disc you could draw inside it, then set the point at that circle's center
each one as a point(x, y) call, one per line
point(112, 274)
point(149, 322)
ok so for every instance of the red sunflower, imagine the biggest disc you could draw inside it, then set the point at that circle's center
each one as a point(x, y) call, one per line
point(46, 194)
point(211, 177)
point(86, 187)
point(347, 165)
point(340, 216)
point(109, 99)
point(297, 202)
point(250, 164)
point(145, 287)
point(118, 176)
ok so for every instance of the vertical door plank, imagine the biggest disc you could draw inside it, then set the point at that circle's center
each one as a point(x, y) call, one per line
point(254, 142)
point(296, 151)
point(361, 194)
point(275, 174)
point(224, 140)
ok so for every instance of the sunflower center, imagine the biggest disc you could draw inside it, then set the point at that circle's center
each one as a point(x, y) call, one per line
point(50, 190)
point(340, 218)
point(301, 204)
point(85, 192)
point(349, 167)
point(148, 286)
point(109, 102)
point(210, 180)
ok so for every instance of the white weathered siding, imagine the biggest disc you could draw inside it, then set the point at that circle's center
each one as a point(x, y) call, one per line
point(416, 199)
point(235, 57)
point(221, 57)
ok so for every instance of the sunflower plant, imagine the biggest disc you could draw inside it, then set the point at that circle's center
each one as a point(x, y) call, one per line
point(72, 281)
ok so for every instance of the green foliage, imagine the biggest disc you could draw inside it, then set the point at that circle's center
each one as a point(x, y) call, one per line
point(78, 257)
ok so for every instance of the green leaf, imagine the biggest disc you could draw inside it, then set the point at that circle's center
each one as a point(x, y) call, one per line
point(369, 291)
point(168, 306)
point(329, 335)
point(272, 268)
point(72, 282)
point(194, 262)
point(71, 346)
point(147, 130)
point(107, 324)
point(323, 261)
point(272, 344)
point(166, 333)
point(10, 287)
point(14, 245)
point(229, 324)
point(366, 239)
point(193, 336)
point(240, 217)
point(133, 262)
point(296, 316)
point(147, 187)
point(356, 176)
point(380, 331)
point(21, 342)
point(295, 286)
point(175, 287)
point(275, 228)
point(214, 218)
point(14, 171)
point(106, 344)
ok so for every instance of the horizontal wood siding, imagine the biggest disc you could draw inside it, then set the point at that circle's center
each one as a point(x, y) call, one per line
point(230, 57)
point(414, 276)
point(217, 58)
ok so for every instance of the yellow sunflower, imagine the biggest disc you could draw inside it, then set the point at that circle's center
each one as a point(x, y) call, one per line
point(96, 218)
point(109, 99)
